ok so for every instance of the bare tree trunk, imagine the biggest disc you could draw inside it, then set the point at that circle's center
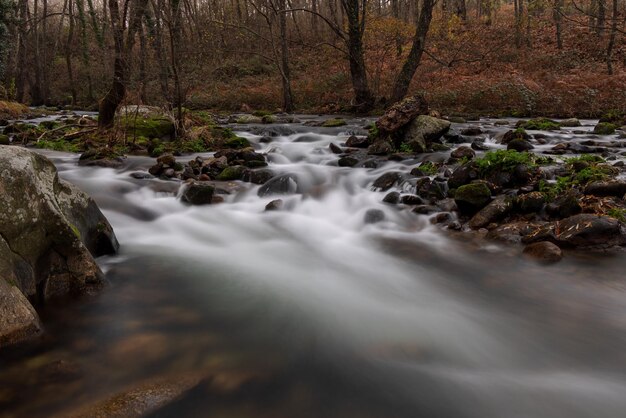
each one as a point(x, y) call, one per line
point(601, 18)
point(121, 66)
point(609, 49)
point(175, 41)
point(403, 81)
point(68, 52)
point(558, 22)
point(355, 12)
point(284, 56)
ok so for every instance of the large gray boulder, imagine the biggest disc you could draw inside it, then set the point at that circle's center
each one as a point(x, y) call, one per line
point(50, 233)
point(423, 130)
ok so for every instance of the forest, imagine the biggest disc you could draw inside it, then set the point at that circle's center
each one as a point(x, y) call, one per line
point(521, 57)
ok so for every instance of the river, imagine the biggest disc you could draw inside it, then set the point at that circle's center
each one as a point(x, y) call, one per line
point(312, 312)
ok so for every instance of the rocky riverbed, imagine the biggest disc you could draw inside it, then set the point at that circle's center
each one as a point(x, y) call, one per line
point(303, 272)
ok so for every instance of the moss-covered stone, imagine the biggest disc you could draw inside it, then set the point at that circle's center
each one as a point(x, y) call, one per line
point(541, 124)
point(470, 198)
point(232, 173)
point(604, 128)
point(236, 142)
point(333, 123)
point(147, 126)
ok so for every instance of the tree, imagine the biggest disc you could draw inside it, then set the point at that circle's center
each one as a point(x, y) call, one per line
point(6, 8)
point(122, 50)
point(403, 80)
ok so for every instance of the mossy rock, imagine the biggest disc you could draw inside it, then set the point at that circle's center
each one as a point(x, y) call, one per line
point(541, 124)
point(237, 142)
point(333, 123)
point(149, 127)
point(232, 173)
point(4, 140)
point(246, 119)
point(472, 197)
point(49, 124)
point(604, 128)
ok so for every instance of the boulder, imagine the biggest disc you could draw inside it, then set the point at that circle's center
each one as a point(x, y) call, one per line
point(387, 180)
point(235, 172)
point(544, 252)
point(519, 145)
point(197, 193)
point(401, 113)
point(282, 184)
point(380, 147)
point(472, 197)
point(604, 128)
point(570, 123)
point(358, 142)
point(493, 212)
point(607, 188)
point(463, 152)
point(587, 230)
point(423, 130)
point(531, 202)
point(50, 233)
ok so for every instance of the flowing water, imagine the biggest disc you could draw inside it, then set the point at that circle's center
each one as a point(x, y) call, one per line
point(311, 312)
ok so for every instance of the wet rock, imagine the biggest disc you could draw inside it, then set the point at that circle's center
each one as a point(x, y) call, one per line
point(141, 176)
point(511, 135)
point(50, 233)
point(423, 130)
point(425, 209)
point(570, 123)
point(607, 188)
point(261, 176)
point(442, 218)
point(479, 145)
point(565, 206)
point(493, 212)
point(587, 230)
point(100, 158)
point(274, 205)
point(544, 252)
point(462, 175)
point(380, 147)
point(373, 216)
point(463, 152)
point(531, 202)
point(401, 113)
point(167, 159)
point(470, 198)
point(519, 145)
point(236, 172)
point(197, 193)
point(4, 140)
point(282, 184)
point(392, 198)
point(411, 199)
point(335, 149)
point(387, 180)
point(472, 131)
point(457, 119)
point(347, 161)
point(358, 142)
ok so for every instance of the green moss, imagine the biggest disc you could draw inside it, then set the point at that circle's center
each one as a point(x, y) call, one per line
point(618, 213)
point(75, 231)
point(236, 142)
point(152, 127)
point(333, 123)
point(203, 117)
point(373, 132)
point(587, 158)
point(506, 160)
point(405, 148)
point(541, 124)
point(261, 113)
point(60, 145)
point(429, 168)
point(231, 173)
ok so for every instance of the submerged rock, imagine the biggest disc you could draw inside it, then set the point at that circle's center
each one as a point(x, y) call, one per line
point(544, 252)
point(50, 233)
point(282, 184)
